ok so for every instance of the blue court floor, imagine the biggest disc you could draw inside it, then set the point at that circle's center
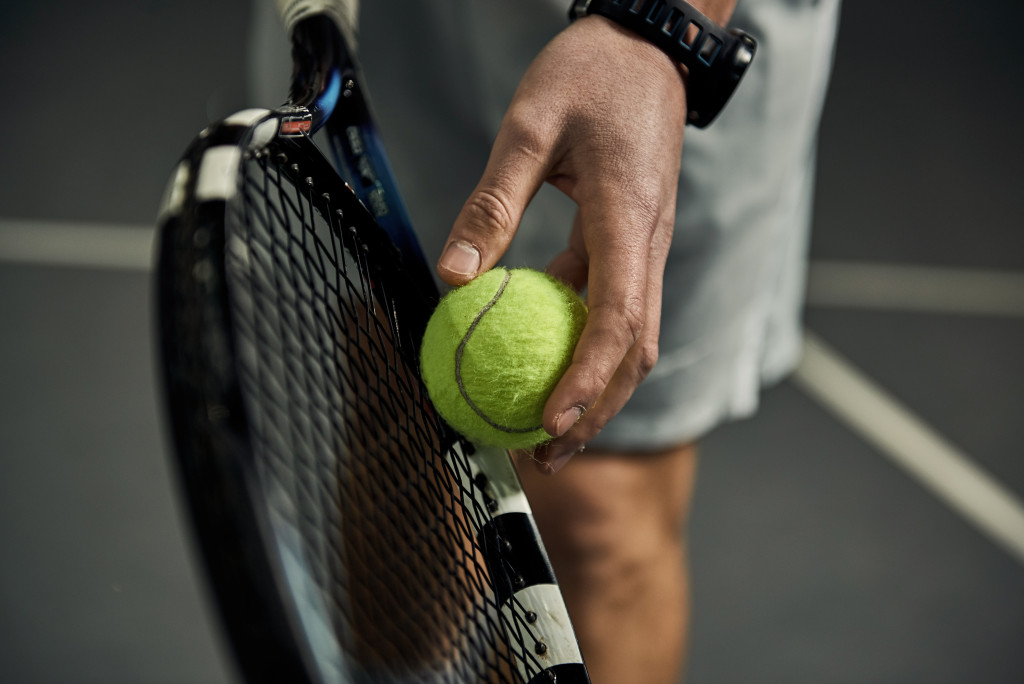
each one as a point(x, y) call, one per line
point(866, 527)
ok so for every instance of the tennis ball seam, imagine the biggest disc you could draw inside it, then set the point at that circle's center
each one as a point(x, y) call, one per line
point(460, 351)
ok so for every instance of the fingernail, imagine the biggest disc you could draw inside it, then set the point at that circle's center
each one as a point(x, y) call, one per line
point(461, 257)
point(567, 419)
point(558, 457)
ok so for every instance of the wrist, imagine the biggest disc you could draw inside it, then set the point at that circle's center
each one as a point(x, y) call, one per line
point(719, 11)
point(646, 55)
point(713, 60)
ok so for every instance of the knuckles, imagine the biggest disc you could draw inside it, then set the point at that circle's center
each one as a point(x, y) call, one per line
point(487, 212)
point(632, 312)
point(626, 322)
point(647, 357)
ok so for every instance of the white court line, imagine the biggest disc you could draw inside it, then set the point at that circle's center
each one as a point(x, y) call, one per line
point(82, 245)
point(900, 435)
point(824, 374)
point(915, 288)
point(831, 284)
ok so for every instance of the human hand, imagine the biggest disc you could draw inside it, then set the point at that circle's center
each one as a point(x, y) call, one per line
point(600, 115)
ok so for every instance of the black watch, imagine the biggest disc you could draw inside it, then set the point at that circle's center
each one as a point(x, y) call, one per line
point(714, 57)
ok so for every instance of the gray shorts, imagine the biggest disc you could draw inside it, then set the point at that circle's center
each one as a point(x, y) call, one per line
point(441, 80)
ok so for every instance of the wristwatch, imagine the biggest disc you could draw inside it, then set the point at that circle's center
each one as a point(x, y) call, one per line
point(715, 58)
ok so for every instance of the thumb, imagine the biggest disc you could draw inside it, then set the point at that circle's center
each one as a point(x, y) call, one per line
point(488, 221)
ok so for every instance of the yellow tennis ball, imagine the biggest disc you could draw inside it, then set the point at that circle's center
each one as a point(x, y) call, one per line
point(494, 350)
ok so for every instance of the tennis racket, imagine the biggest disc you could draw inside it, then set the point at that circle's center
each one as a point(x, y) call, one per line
point(347, 533)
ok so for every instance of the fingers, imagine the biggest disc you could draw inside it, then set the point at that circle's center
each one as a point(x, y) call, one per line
point(571, 266)
point(518, 165)
point(553, 456)
point(618, 346)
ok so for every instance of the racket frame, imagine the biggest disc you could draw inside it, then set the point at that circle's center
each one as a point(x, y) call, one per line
point(205, 406)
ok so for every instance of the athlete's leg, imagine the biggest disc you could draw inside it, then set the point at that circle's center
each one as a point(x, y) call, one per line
point(614, 525)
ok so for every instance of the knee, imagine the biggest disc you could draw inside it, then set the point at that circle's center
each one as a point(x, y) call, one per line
point(610, 549)
point(610, 525)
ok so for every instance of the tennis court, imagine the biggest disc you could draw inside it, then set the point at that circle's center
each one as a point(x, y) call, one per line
point(866, 526)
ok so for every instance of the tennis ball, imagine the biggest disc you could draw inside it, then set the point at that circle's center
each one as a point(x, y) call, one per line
point(494, 350)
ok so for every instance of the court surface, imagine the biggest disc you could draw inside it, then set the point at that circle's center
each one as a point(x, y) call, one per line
point(866, 526)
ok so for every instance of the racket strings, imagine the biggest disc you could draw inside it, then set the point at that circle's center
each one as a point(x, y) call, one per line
point(376, 513)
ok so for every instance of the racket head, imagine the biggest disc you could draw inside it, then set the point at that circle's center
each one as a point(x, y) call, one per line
point(348, 534)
